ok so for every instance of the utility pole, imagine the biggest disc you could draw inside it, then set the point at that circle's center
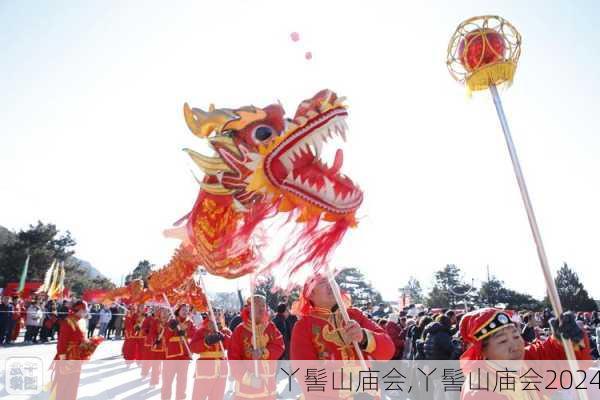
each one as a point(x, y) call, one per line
point(489, 280)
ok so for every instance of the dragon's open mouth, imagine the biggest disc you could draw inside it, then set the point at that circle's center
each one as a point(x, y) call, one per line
point(296, 166)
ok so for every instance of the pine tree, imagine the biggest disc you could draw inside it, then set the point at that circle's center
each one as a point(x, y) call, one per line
point(448, 288)
point(571, 292)
point(493, 292)
point(43, 242)
point(143, 269)
point(353, 282)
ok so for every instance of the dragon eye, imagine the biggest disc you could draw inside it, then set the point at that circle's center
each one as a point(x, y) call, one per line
point(263, 133)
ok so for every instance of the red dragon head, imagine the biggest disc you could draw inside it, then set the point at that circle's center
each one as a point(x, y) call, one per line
point(262, 157)
point(263, 164)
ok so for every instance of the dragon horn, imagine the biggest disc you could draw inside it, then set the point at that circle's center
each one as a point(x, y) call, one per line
point(203, 123)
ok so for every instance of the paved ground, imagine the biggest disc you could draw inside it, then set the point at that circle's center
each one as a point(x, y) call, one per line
point(105, 377)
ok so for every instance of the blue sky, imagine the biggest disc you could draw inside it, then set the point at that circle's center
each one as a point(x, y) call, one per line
point(91, 129)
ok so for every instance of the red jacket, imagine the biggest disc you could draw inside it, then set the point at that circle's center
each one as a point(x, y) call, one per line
point(70, 340)
point(157, 331)
point(211, 362)
point(205, 351)
point(550, 349)
point(175, 345)
point(147, 330)
point(240, 348)
point(316, 337)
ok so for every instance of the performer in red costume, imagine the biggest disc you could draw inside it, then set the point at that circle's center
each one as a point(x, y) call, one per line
point(146, 353)
point(176, 336)
point(137, 334)
point(18, 317)
point(158, 348)
point(491, 335)
point(251, 383)
point(321, 334)
point(128, 349)
point(71, 349)
point(211, 365)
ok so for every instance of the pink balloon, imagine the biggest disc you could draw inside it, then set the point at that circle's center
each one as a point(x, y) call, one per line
point(295, 36)
point(308, 55)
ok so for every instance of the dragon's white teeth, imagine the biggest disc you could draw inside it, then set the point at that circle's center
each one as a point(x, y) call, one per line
point(286, 159)
point(307, 146)
point(337, 130)
point(301, 120)
point(297, 151)
point(318, 146)
point(328, 189)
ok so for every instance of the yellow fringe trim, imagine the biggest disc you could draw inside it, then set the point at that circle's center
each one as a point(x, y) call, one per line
point(496, 74)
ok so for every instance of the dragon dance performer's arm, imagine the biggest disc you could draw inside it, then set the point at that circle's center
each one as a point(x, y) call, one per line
point(175, 337)
point(205, 340)
point(240, 348)
point(207, 343)
point(375, 344)
point(552, 348)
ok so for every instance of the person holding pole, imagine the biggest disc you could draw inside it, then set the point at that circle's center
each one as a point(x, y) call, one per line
point(341, 337)
point(250, 381)
point(158, 348)
point(72, 349)
point(149, 339)
point(176, 336)
point(211, 366)
point(322, 334)
point(490, 334)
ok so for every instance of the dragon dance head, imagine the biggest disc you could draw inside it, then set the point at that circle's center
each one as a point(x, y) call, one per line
point(262, 157)
point(263, 164)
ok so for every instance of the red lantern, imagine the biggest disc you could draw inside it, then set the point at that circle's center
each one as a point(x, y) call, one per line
point(480, 48)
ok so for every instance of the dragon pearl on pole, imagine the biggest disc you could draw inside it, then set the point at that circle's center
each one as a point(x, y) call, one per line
point(483, 53)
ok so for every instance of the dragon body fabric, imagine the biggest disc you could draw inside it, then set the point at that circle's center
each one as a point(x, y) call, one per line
point(263, 164)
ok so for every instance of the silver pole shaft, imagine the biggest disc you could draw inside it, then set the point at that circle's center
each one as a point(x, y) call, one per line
point(211, 312)
point(335, 288)
point(253, 320)
point(535, 231)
